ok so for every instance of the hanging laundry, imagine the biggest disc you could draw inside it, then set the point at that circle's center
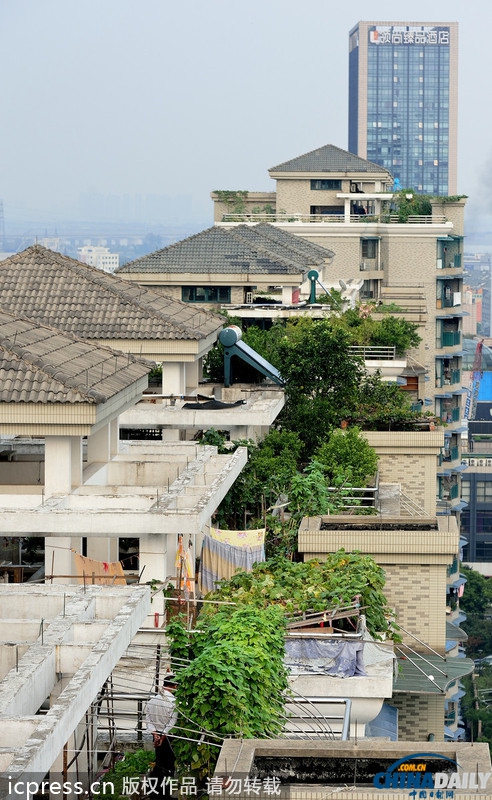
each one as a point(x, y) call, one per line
point(220, 560)
point(106, 573)
point(185, 571)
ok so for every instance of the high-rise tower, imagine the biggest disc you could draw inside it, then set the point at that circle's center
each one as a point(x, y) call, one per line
point(403, 96)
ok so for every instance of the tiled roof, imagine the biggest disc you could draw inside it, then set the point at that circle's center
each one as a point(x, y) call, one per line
point(56, 290)
point(253, 249)
point(310, 250)
point(38, 364)
point(329, 159)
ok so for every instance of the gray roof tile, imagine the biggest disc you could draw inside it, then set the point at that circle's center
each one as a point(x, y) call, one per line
point(39, 364)
point(57, 290)
point(329, 159)
point(255, 249)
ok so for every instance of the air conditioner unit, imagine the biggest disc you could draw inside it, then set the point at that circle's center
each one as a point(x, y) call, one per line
point(249, 297)
point(488, 462)
point(480, 462)
point(363, 266)
point(471, 462)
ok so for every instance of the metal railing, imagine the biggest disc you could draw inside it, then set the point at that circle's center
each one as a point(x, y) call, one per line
point(409, 508)
point(383, 219)
point(374, 352)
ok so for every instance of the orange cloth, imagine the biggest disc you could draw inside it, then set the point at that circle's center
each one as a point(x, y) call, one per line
point(105, 573)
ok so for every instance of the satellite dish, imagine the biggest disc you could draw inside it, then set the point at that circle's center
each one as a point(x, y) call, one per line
point(342, 284)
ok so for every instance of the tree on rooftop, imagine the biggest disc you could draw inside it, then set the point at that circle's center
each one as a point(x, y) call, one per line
point(348, 454)
point(322, 378)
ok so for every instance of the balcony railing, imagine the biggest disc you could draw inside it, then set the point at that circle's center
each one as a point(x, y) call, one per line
point(451, 377)
point(451, 415)
point(374, 352)
point(451, 455)
point(384, 219)
point(450, 338)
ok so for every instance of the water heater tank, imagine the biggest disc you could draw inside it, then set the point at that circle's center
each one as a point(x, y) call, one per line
point(230, 335)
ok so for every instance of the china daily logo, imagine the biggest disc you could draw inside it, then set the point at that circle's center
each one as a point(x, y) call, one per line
point(411, 773)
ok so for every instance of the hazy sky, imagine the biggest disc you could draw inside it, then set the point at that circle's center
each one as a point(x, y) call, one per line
point(127, 97)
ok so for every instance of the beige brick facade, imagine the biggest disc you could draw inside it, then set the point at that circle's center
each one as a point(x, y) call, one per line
point(415, 554)
point(295, 196)
point(409, 458)
point(419, 716)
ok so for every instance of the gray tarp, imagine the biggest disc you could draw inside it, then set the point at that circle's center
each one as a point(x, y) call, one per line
point(340, 658)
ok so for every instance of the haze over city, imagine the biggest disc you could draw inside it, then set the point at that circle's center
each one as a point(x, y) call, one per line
point(134, 110)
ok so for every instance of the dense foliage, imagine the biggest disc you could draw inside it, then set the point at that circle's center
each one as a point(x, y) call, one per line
point(326, 386)
point(476, 603)
point(131, 767)
point(234, 684)
point(347, 454)
point(316, 586)
point(408, 203)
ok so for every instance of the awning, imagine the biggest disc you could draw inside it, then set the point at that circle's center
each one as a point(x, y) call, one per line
point(446, 395)
point(454, 633)
point(429, 674)
point(461, 468)
point(457, 583)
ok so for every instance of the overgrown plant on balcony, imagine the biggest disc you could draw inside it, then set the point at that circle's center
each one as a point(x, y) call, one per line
point(236, 681)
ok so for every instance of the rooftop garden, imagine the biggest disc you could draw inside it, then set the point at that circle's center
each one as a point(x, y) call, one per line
point(232, 678)
point(317, 451)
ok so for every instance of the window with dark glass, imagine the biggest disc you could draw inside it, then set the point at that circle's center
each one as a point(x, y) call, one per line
point(206, 294)
point(326, 183)
point(369, 248)
point(327, 210)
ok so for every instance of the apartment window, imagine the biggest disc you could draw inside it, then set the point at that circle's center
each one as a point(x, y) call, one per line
point(206, 294)
point(327, 183)
point(369, 248)
point(484, 492)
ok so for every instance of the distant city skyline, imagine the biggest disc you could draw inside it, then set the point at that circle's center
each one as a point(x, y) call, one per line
point(123, 99)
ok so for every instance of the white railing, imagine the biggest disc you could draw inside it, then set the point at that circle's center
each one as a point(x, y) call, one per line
point(327, 219)
point(374, 352)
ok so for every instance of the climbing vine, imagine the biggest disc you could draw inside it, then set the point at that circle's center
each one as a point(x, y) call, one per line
point(234, 686)
point(235, 683)
point(234, 200)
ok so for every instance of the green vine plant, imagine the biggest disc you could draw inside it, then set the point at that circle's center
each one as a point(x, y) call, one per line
point(235, 683)
point(233, 686)
point(235, 200)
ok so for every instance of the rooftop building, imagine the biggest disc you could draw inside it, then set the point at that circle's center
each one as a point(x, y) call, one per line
point(344, 203)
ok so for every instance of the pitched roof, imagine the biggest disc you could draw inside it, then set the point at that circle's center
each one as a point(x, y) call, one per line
point(39, 364)
point(329, 159)
point(255, 249)
point(54, 289)
point(295, 243)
